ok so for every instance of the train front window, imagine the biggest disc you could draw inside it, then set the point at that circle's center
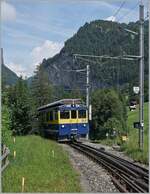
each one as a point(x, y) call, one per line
point(73, 114)
point(64, 115)
point(82, 114)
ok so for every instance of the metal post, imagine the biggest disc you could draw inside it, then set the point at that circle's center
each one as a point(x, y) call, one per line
point(87, 86)
point(87, 92)
point(141, 104)
point(149, 85)
point(2, 59)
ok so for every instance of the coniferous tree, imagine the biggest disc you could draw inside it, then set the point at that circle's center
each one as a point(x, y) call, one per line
point(42, 93)
point(41, 88)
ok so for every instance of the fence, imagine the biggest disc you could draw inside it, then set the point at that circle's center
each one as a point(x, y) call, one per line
point(4, 158)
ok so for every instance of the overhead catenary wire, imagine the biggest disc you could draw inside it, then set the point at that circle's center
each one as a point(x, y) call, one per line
point(118, 10)
point(129, 12)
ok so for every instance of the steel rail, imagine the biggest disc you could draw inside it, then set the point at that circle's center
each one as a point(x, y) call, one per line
point(115, 171)
point(135, 167)
point(132, 179)
point(109, 156)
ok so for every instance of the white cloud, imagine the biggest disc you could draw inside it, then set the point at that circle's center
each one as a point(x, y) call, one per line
point(111, 18)
point(46, 50)
point(8, 11)
point(17, 68)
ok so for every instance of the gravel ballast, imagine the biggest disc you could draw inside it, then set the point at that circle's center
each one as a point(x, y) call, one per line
point(115, 152)
point(93, 177)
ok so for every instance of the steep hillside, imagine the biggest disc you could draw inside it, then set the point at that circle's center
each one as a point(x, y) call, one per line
point(8, 76)
point(99, 38)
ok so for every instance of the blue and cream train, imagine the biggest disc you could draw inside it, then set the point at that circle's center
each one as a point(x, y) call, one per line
point(65, 119)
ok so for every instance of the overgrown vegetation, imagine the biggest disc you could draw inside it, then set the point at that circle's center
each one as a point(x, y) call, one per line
point(6, 133)
point(43, 171)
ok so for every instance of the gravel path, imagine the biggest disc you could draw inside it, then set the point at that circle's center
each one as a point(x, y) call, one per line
point(93, 177)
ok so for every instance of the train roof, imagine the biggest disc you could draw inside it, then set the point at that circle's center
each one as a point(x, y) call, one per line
point(60, 103)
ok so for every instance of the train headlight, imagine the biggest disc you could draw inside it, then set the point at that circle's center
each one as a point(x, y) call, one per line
point(62, 126)
point(84, 125)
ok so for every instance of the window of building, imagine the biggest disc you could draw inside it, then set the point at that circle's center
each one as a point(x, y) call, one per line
point(73, 114)
point(82, 113)
point(64, 114)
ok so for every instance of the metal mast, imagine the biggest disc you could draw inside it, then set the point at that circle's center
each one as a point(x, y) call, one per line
point(141, 104)
point(87, 86)
point(2, 58)
point(87, 92)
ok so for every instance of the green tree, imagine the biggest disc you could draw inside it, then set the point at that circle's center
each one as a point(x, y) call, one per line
point(41, 89)
point(42, 93)
point(20, 108)
point(106, 107)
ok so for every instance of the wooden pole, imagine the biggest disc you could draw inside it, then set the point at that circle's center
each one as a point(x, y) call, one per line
point(23, 181)
point(53, 153)
point(14, 154)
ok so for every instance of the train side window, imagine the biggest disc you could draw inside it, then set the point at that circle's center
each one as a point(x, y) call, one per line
point(73, 114)
point(51, 115)
point(64, 115)
point(47, 116)
point(42, 116)
point(56, 115)
point(82, 113)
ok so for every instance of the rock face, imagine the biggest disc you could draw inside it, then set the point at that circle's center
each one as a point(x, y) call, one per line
point(98, 38)
point(58, 69)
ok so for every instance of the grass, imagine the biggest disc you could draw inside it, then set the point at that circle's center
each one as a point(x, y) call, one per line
point(132, 147)
point(43, 172)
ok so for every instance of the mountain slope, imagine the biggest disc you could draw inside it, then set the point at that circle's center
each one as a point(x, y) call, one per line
point(8, 77)
point(98, 38)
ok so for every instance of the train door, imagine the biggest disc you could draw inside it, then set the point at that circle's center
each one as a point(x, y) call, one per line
point(74, 122)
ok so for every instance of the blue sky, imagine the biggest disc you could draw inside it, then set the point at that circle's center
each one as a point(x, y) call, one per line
point(37, 29)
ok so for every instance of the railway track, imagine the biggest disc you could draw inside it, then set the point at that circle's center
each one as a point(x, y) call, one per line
point(127, 177)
